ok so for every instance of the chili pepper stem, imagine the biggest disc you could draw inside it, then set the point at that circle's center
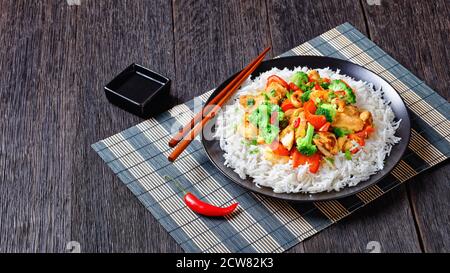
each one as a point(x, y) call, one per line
point(176, 183)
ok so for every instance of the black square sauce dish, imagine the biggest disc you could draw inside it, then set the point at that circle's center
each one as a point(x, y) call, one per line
point(140, 91)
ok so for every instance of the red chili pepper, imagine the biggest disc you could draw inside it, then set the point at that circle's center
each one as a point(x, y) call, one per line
point(326, 80)
point(206, 209)
point(275, 78)
point(318, 87)
point(293, 87)
point(296, 122)
point(201, 207)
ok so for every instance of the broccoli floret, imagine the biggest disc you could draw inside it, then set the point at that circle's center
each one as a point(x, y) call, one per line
point(339, 132)
point(269, 133)
point(331, 95)
point(261, 116)
point(305, 96)
point(325, 85)
point(351, 98)
point(328, 110)
point(337, 85)
point(299, 78)
point(304, 145)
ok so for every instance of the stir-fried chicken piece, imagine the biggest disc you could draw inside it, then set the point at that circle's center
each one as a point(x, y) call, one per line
point(326, 143)
point(366, 116)
point(250, 102)
point(339, 103)
point(314, 75)
point(349, 119)
point(248, 130)
point(287, 137)
point(275, 92)
point(344, 144)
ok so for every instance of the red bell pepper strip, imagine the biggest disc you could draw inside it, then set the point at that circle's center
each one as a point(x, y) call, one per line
point(318, 87)
point(300, 159)
point(357, 138)
point(309, 106)
point(360, 136)
point(286, 105)
point(278, 148)
point(275, 78)
point(325, 127)
point(316, 120)
point(293, 87)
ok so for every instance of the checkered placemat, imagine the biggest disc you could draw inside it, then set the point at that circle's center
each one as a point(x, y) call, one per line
point(138, 156)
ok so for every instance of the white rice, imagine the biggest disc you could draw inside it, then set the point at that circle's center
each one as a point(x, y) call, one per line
point(248, 160)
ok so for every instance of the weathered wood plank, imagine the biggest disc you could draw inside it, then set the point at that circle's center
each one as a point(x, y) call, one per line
point(110, 35)
point(55, 60)
point(214, 39)
point(35, 139)
point(292, 23)
point(418, 37)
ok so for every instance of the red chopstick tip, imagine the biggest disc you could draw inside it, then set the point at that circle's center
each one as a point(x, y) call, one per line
point(171, 158)
point(173, 143)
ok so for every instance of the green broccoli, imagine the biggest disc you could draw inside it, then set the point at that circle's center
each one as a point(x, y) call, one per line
point(331, 95)
point(304, 145)
point(339, 132)
point(299, 78)
point(260, 117)
point(325, 85)
point(305, 96)
point(337, 85)
point(269, 133)
point(328, 110)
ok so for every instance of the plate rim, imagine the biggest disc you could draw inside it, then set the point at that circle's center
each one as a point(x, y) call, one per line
point(314, 197)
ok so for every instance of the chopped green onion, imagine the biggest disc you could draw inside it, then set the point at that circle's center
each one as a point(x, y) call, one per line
point(348, 155)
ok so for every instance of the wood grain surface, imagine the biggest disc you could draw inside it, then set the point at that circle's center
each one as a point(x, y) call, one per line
point(55, 60)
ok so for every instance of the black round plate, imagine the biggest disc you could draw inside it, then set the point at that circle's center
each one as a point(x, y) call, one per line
point(350, 69)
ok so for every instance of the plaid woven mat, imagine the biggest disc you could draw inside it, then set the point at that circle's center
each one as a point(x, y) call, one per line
point(138, 156)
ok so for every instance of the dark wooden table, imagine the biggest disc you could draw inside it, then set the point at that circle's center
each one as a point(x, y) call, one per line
point(55, 60)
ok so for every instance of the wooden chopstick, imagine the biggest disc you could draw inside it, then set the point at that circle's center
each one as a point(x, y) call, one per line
point(231, 88)
point(198, 117)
